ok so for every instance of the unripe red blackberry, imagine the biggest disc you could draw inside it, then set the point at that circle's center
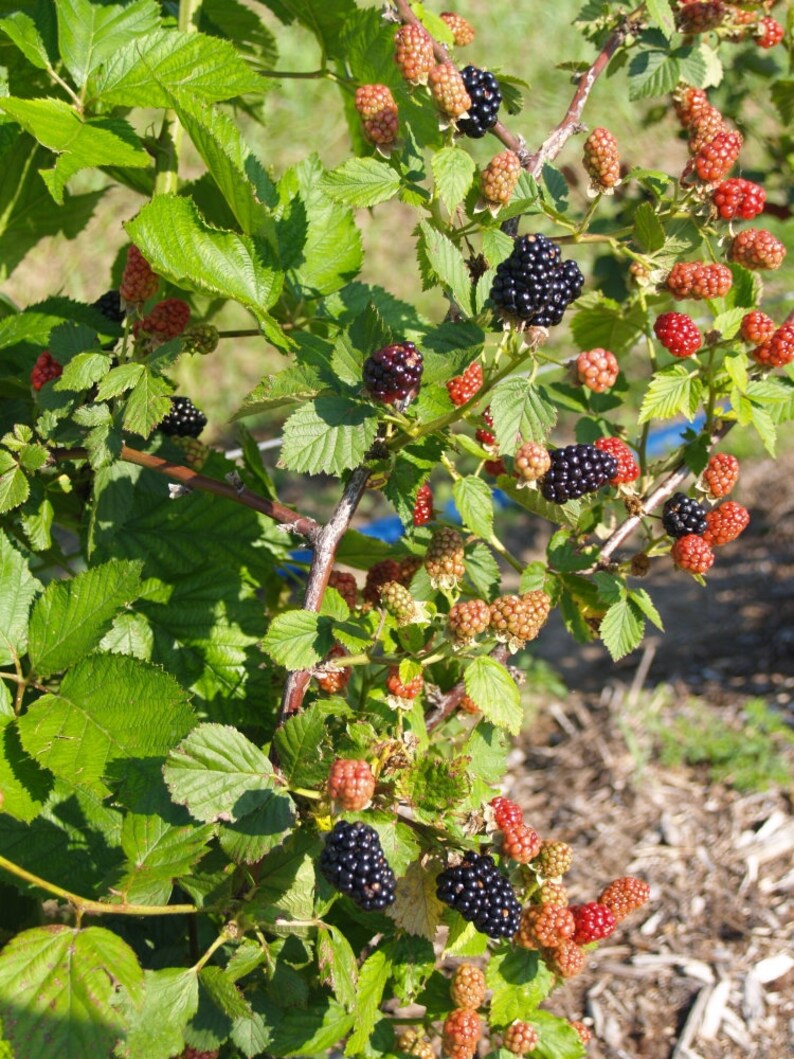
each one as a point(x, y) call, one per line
point(721, 474)
point(506, 812)
point(699, 280)
point(467, 988)
point(44, 370)
point(725, 523)
point(739, 198)
point(378, 111)
point(461, 1033)
point(585, 1036)
point(399, 690)
point(715, 159)
point(545, 926)
point(461, 388)
point(196, 1053)
point(601, 159)
point(138, 282)
point(521, 843)
point(499, 178)
point(770, 32)
point(678, 333)
point(701, 16)
point(777, 351)
point(351, 784)
point(567, 959)
point(628, 468)
point(168, 319)
point(594, 922)
point(423, 505)
point(520, 1038)
point(757, 327)
point(531, 462)
point(597, 369)
point(468, 705)
point(333, 679)
point(413, 53)
point(201, 338)
point(624, 896)
point(196, 452)
point(468, 619)
point(444, 558)
point(487, 439)
point(553, 893)
point(692, 553)
point(392, 374)
point(448, 90)
point(462, 31)
point(756, 248)
point(345, 585)
point(554, 859)
point(689, 104)
point(513, 621)
point(708, 124)
point(397, 601)
point(377, 577)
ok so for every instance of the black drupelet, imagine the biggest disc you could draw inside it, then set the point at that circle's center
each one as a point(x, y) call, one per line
point(534, 283)
point(392, 374)
point(576, 470)
point(486, 98)
point(184, 420)
point(353, 863)
point(482, 894)
point(681, 515)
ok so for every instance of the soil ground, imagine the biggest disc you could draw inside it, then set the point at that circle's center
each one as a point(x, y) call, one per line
point(707, 969)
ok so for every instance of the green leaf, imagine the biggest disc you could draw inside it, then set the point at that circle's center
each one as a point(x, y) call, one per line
point(641, 598)
point(328, 436)
point(108, 707)
point(157, 1021)
point(119, 379)
point(558, 1039)
point(673, 390)
point(207, 68)
point(495, 692)
point(474, 501)
point(58, 991)
point(692, 66)
point(18, 588)
point(220, 775)
point(361, 182)
point(520, 981)
point(652, 73)
point(622, 628)
point(89, 34)
point(782, 93)
point(338, 965)
point(183, 248)
point(83, 371)
point(297, 744)
point(34, 36)
point(304, 1032)
point(24, 785)
point(72, 616)
point(148, 404)
point(482, 570)
point(79, 144)
point(298, 639)
point(729, 322)
point(14, 488)
point(372, 978)
point(648, 229)
point(496, 246)
point(157, 852)
point(287, 881)
point(555, 187)
point(447, 264)
point(661, 15)
point(453, 171)
point(600, 321)
point(521, 412)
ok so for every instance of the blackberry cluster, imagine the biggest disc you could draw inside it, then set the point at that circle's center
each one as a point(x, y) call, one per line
point(110, 306)
point(681, 515)
point(534, 283)
point(393, 374)
point(483, 90)
point(353, 863)
point(483, 896)
point(184, 420)
point(576, 470)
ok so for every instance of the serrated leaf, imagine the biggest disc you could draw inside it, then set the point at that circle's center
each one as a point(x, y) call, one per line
point(337, 965)
point(14, 487)
point(89, 34)
point(661, 15)
point(157, 852)
point(641, 598)
point(157, 1021)
point(108, 707)
point(72, 616)
point(729, 322)
point(148, 404)
point(328, 436)
point(622, 628)
point(298, 639)
point(558, 1039)
point(361, 182)
point(297, 745)
point(58, 991)
point(555, 187)
point(482, 570)
point(496, 246)
point(672, 391)
point(648, 229)
point(567, 514)
point(782, 93)
point(416, 908)
point(521, 412)
point(18, 588)
point(474, 501)
point(520, 980)
point(29, 35)
point(287, 883)
point(692, 66)
point(490, 685)
point(453, 171)
point(446, 262)
point(83, 371)
point(372, 979)
point(602, 322)
point(119, 380)
point(24, 785)
point(652, 73)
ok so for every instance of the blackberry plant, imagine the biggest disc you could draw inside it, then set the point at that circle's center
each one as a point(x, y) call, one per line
point(250, 754)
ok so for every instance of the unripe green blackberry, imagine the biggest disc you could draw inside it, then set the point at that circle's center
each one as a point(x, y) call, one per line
point(411, 1043)
point(444, 558)
point(756, 248)
point(513, 621)
point(499, 178)
point(398, 602)
point(201, 339)
point(554, 859)
point(467, 988)
point(545, 926)
point(468, 619)
point(448, 90)
point(413, 53)
point(530, 463)
point(553, 893)
point(520, 1038)
point(602, 159)
point(462, 31)
point(196, 452)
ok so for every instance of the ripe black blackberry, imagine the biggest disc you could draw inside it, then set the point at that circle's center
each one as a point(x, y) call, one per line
point(483, 896)
point(184, 420)
point(483, 90)
point(576, 470)
point(392, 374)
point(353, 863)
point(534, 283)
point(681, 515)
point(109, 304)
